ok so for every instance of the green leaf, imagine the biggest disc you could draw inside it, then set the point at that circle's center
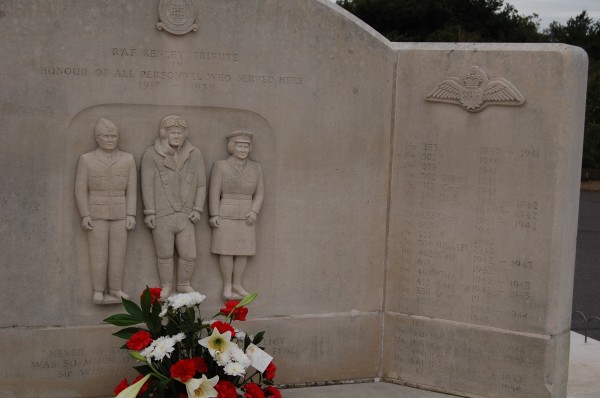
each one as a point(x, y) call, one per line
point(151, 388)
point(122, 320)
point(133, 309)
point(137, 356)
point(143, 369)
point(258, 338)
point(161, 387)
point(247, 300)
point(146, 301)
point(154, 321)
point(246, 342)
point(126, 333)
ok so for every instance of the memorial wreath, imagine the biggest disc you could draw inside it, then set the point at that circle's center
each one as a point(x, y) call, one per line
point(183, 356)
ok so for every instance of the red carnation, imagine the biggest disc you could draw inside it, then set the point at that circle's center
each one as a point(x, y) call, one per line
point(121, 386)
point(225, 389)
point(272, 392)
point(270, 371)
point(223, 327)
point(154, 294)
point(183, 369)
point(239, 314)
point(253, 391)
point(145, 386)
point(200, 365)
point(140, 340)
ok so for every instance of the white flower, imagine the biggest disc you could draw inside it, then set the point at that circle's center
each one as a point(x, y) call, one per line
point(185, 300)
point(147, 352)
point(240, 334)
point(234, 369)
point(202, 388)
point(237, 355)
point(216, 342)
point(163, 347)
point(163, 310)
point(222, 358)
point(179, 337)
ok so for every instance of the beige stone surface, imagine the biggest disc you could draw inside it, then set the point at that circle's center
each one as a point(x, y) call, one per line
point(315, 88)
point(483, 214)
point(58, 362)
point(484, 205)
point(479, 362)
point(373, 390)
point(67, 63)
point(378, 204)
point(584, 365)
point(86, 361)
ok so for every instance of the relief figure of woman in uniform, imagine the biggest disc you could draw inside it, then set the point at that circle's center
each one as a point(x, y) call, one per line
point(235, 197)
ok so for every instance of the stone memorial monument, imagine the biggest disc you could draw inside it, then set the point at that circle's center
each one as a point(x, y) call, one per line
point(418, 223)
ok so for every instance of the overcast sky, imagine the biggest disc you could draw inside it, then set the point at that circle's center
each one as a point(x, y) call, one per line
point(555, 10)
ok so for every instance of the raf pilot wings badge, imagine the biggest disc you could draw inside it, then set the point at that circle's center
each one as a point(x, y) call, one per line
point(475, 91)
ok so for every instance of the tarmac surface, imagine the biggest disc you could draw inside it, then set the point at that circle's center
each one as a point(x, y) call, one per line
point(586, 290)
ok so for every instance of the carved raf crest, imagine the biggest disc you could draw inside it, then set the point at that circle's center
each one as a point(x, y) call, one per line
point(475, 91)
point(177, 16)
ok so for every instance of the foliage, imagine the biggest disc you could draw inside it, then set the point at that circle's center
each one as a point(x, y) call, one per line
point(489, 21)
point(584, 32)
point(181, 355)
point(445, 20)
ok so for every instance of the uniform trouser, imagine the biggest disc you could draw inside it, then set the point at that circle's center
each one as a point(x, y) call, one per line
point(107, 243)
point(175, 230)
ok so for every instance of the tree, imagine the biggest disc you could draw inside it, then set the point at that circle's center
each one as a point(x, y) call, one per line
point(445, 20)
point(584, 32)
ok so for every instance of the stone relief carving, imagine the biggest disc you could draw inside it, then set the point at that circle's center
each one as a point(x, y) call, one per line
point(173, 191)
point(105, 191)
point(177, 16)
point(235, 198)
point(475, 91)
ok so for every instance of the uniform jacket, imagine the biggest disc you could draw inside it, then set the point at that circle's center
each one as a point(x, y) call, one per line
point(233, 192)
point(172, 184)
point(106, 186)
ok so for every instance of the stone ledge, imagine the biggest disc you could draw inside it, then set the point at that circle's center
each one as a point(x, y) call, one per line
point(584, 368)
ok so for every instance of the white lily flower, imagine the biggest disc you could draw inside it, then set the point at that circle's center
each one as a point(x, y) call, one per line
point(216, 342)
point(133, 390)
point(202, 388)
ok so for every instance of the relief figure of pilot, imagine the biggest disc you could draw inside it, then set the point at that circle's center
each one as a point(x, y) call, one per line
point(173, 191)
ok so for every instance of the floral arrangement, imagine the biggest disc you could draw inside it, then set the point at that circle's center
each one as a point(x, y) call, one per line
point(183, 356)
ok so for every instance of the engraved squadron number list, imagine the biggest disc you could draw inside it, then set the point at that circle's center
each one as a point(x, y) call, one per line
point(461, 253)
